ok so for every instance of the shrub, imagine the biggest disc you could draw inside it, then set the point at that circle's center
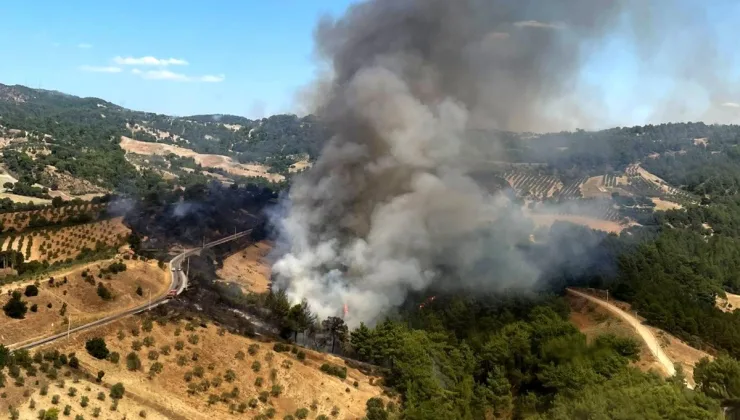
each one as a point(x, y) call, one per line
point(114, 406)
point(148, 341)
point(55, 399)
point(139, 291)
point(182, 360)
point(101, 396)
point(264, 396)
point(117, 391)
point(322, 417)
point(258, 382)
point(356, 384)
point(239, 355)
point(252, 349)
point(301, 355)
point(253, 403)
point(114, 357)
point(280, 347)
point(256, 366)
point(198, 371)
point(100, 376)
point(72, 391)
point(287, 364)
point(103, 292)
point(142, 414)
point(133, 362)
point(301, 413)
point(216, 382)
point(230, 375)
point(340, 372)
point(276, 390)
point(188, 376)
point(67, 410)
point(121, 335)
point(153, 355)
point(15, 308)
point(165, 349)
point(270, 412)
point(84, 400)
point(96, 412)
point(31, 290)
point(179, 345)
point(155, 369)
point(193, 339)
point(34, 308)
point(136, 345)
point(96, 348)
point(335, 411)
point(74, 363)
point(135, 331)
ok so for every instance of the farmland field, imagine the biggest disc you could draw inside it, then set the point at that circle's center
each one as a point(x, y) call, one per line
point(533, 185)
point(62, 243)
point(20, 220)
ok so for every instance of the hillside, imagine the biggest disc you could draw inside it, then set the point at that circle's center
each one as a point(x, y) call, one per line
point(59, 141)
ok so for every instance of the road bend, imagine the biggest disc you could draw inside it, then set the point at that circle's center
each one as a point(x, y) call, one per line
point(177, 286)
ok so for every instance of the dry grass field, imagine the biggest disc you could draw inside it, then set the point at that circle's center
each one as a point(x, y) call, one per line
point(191, 370)
point(248, 268)
point(78, 290)
point(547, 220)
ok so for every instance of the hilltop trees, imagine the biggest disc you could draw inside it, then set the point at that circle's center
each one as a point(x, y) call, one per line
point(15, 308)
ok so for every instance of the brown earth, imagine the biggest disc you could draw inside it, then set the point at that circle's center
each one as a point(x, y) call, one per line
point(594, 188)
point(599, 224)
point(303, 384)
point(729, 304)
point(211, 161)
point(248, 268)
point(83, 303)
point(661, 204)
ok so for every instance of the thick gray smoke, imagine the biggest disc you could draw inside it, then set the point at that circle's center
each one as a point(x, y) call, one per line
point(389, 208)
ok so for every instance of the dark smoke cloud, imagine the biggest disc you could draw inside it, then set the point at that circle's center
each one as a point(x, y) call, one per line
point(389, 207)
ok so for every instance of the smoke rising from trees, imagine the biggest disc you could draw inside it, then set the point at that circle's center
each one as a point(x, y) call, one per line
point(389, 206)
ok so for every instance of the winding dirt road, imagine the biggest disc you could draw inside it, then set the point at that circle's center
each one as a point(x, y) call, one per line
point(644, 332)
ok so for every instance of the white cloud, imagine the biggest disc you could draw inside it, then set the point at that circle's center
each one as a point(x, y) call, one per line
point(731, 105)
point(101, 69)
point(84, 46)
point(177, 77)
point(538, 24)
point(149, 61)
point(210, 78)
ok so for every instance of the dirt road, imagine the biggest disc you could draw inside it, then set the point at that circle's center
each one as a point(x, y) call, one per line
point(644, 332)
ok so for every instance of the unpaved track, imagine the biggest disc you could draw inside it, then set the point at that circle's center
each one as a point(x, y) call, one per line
point(644, 332)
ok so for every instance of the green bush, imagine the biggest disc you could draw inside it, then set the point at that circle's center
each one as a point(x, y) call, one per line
point(280, 347)
point(301, 413)
point(338, 371)
point(97, 348)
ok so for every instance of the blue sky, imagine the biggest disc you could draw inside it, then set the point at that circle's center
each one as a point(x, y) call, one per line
point(261, 48)
point(249, 57)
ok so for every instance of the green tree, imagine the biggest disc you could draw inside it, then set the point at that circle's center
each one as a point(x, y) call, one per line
point(336, 327)
point(97, 348)
point(15, 307)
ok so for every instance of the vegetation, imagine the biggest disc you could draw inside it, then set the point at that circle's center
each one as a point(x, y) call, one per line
point(97, 348)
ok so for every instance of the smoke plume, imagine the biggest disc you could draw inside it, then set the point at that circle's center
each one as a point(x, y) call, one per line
point(389, 206)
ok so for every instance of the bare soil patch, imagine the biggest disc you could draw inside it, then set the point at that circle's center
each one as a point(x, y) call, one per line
point(211, 161)
point(594, 223)
point(729, 304)
point(594, 188)
point(83, 303)
point(249, 268)
point(661, 204)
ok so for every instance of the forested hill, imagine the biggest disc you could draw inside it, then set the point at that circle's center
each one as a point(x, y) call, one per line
point(271, 140)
